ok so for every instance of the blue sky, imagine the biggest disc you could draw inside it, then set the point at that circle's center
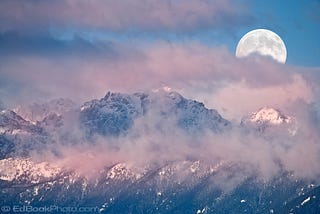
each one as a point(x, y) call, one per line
point(297, 22)
point(85, 48)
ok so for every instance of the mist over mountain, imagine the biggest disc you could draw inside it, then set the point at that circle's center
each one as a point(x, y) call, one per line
point(130, 106)
point(156, 152)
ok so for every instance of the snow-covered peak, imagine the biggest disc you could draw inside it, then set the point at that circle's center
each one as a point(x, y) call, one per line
point(270, 116)
point(271, 119)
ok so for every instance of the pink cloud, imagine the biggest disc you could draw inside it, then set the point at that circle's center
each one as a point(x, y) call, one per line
point(211, 75)
point(249, 99)
point(119, 15)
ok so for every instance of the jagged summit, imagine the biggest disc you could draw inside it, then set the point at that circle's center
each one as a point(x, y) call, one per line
point(116, 113)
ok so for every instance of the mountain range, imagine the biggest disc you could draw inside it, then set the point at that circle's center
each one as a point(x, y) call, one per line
point(35, 173)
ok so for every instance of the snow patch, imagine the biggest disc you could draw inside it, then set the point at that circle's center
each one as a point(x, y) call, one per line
point(12, 169)
point(202, 211)
point(123, 171)
point(195, 166)
point(305, 201)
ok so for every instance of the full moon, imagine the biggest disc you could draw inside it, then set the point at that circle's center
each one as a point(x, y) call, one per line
point(263, 42)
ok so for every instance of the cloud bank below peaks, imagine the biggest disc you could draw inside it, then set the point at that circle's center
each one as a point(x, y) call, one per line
point(155, 136)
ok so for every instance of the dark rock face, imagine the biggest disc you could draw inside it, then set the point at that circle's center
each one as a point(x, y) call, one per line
point(112, 115)
point(115, 114)
point(18, 136)
point(6, 147)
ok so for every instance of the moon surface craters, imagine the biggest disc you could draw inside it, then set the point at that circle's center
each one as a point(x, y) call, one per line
point(262, 42)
